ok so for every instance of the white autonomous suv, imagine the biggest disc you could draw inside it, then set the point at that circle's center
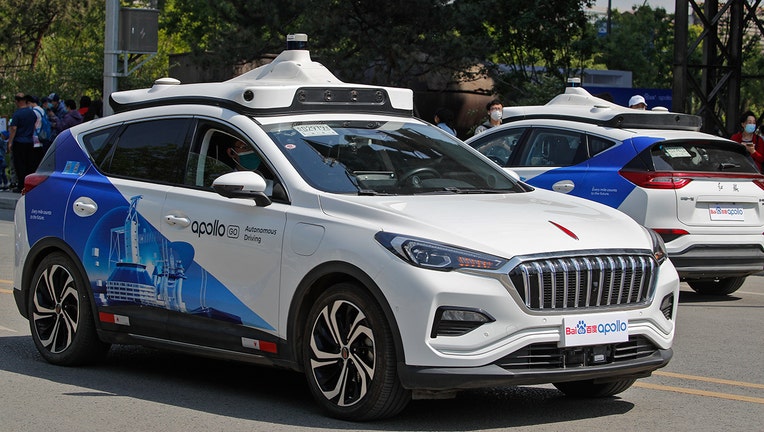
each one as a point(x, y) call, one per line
point(701, 193)
point(289, 219)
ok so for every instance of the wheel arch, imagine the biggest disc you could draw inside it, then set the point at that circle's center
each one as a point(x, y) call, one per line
point(319, 280)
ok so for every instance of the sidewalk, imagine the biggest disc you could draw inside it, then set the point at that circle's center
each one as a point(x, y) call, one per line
point(8, 200)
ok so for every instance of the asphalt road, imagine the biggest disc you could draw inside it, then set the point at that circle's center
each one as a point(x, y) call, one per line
point(715, 382)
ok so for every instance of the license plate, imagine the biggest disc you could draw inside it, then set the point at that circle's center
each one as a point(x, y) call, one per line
point(726, 212)
point(594, 330)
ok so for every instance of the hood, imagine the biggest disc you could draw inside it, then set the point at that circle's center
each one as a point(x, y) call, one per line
point(505, 225)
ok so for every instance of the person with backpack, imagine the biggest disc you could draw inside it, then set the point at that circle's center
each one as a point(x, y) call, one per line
point(47, 106)
point(42, 125)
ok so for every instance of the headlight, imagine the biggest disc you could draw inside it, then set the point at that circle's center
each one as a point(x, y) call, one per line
point(659, 248)
point(436, 256)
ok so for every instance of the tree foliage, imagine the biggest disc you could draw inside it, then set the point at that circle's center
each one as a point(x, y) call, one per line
point(61, 50)
point(527, 47)
point(641, 41)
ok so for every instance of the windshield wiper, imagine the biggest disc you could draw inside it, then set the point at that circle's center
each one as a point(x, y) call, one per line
point(456, 190)
point(727, 165)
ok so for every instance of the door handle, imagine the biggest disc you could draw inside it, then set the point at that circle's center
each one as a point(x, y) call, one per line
point(179, 221)
point(563, 186)
point(84, 207)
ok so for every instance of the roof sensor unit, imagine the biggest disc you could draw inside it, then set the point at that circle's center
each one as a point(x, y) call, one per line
point(297, 41)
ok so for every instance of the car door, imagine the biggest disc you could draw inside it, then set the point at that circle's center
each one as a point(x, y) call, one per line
point(116, 214)
point(222, 258)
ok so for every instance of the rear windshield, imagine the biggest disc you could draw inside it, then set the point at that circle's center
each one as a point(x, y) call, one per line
point(701, 156)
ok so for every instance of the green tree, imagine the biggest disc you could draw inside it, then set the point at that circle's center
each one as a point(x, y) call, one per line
point(61, 50)
point(641, 41)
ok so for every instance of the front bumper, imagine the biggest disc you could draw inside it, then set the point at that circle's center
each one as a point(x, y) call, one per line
point(497, 374)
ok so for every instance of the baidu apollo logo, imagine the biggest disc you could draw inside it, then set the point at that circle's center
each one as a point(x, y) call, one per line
point(594, 329)
point(582, 328)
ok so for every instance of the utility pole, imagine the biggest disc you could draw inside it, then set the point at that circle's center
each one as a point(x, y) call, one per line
point(110, 54)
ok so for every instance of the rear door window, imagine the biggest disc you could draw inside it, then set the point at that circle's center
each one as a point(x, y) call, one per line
point(152, 150)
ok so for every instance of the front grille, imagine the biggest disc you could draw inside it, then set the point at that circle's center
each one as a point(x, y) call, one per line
point(550, 356)
point(584, 281)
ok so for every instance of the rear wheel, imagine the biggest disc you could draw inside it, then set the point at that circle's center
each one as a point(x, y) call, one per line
point(349, 356)
point(723, 286)
point(60, 316)
point(590, 389)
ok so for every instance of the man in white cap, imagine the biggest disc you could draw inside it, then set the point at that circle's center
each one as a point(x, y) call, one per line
point(637, 102)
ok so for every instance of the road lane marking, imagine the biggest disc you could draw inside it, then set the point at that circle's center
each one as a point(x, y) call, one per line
point(708, 379)
point(749, 292)
point(700, 392)
point(7, 329)
point(5, 291)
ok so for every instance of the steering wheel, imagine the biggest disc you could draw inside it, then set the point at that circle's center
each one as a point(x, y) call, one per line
point(414, 174)
point(498, 154)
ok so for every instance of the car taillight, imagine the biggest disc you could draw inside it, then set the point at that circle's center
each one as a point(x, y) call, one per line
point(32, 180)
point(670, 234)
point(656, 180)
point(759, 183)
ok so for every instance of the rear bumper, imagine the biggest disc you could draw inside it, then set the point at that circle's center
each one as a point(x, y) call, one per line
point(442, 379)
point(706, 261)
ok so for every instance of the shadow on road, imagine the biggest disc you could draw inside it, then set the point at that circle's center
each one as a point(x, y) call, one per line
point(262, 394)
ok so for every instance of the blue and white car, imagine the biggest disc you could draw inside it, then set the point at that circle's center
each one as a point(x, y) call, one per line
point(286, 218)
point(701, 193)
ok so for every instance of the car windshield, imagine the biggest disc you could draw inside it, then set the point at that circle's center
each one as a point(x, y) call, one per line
point(385, 157)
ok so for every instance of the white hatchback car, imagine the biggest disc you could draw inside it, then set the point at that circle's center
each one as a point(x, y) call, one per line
point(701, 193)
point(289, 219)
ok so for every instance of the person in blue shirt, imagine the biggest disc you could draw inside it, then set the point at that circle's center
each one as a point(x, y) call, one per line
point(444, 118)
point(21, 140)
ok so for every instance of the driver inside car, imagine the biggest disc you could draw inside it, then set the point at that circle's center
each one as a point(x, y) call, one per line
point(244, 156)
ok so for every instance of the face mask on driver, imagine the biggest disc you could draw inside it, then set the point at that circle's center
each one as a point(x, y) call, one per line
point(249, 160)
point(496, 115)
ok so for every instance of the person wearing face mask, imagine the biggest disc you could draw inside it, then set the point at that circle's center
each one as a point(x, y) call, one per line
point(495, 110)
point(748, 137)
point(244, 156)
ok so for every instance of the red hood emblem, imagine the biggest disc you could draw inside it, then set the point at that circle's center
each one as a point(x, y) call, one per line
point(565, 230)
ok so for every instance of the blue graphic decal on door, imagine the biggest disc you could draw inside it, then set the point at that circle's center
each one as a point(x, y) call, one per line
point(129, 261)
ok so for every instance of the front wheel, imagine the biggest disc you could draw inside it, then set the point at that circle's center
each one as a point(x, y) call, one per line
point(723, 286)
point(590, 389)
point(60, 317)
point(349, 356)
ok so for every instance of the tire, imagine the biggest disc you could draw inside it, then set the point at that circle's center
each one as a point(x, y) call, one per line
point(60, 315)
point(589, 389)
point(723, 286)
point(349, 356)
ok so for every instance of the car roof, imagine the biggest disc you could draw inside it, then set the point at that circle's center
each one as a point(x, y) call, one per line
point(619, 134)
point(576, 104)
point(292, 82)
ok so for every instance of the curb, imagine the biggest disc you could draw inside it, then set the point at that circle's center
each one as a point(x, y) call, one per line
point(8, 200)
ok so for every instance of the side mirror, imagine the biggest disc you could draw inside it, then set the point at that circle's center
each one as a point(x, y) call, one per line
point(243, 184)
point(513, 174)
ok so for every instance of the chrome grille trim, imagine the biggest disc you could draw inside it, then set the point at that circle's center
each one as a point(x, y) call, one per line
point(584, 281)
